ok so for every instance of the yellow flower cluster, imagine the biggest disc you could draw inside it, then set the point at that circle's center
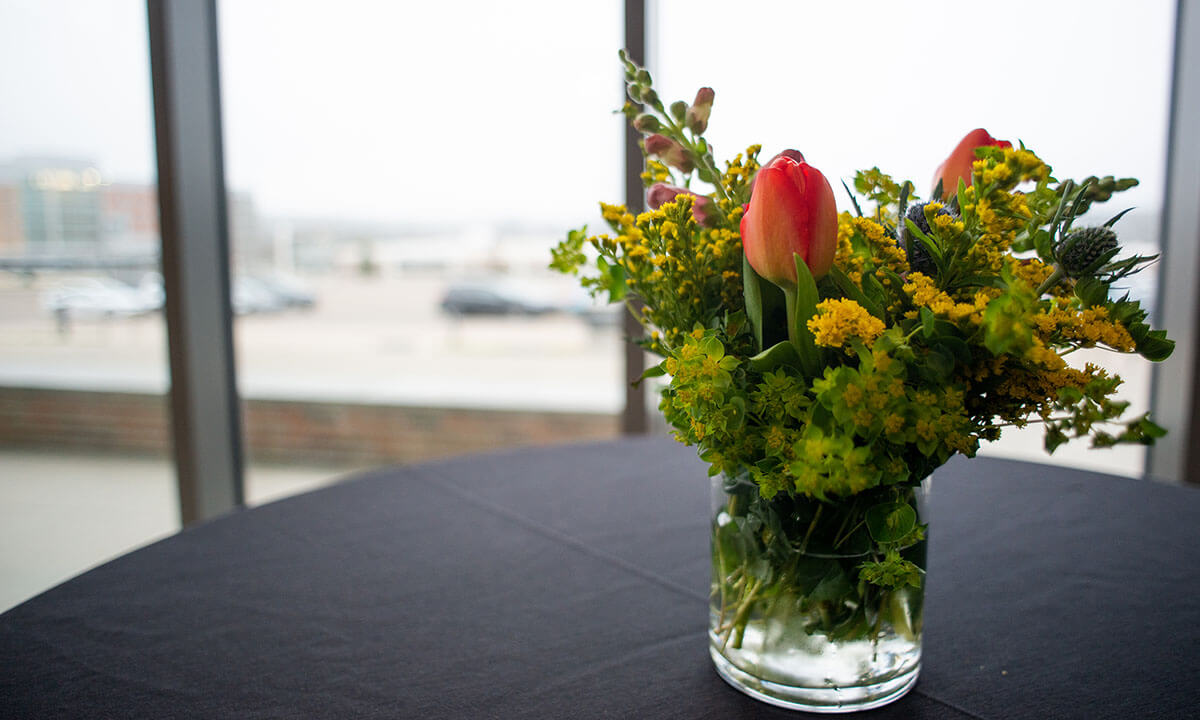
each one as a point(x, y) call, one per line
point(921, 289)
point(1009, 168)
point(681, 270)
point(838, 321)
point(1001, 215)
point(1087, 327)
point(736, 180)
point(1040, 387)
point(655, 172)
point(864, 247)
point(1032, 272)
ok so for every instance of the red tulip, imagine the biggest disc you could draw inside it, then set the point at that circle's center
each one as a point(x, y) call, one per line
point(958, 165)
point(702, 206)
point(792, 210)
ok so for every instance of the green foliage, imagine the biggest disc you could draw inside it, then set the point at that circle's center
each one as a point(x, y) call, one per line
point(568, 255)
point(891, 572)
point(879, 187)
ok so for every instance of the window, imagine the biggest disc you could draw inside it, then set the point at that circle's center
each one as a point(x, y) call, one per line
point(399, 174)
point(84, 440)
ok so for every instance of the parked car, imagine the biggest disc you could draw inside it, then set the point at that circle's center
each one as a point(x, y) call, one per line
point(290, 292)
point(250, 295)
point(98, 297)
point(492, 297)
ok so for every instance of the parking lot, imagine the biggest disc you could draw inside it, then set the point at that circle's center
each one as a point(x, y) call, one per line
point(386, 339)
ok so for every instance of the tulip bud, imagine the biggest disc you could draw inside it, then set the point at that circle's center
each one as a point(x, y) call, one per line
point(792, 210)
point(697, 114)
point(671, 152)
point(1081, 249)
point(702, 206)
point(958, 165)
point(646, 123)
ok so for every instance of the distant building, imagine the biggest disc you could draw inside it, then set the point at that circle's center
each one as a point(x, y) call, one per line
point(50, 205)
point(130, 209)
point(65, 207)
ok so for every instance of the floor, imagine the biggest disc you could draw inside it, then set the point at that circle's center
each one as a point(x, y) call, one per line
point(63, 514)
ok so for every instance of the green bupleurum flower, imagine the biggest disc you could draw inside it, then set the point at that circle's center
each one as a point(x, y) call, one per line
point(1080, 250)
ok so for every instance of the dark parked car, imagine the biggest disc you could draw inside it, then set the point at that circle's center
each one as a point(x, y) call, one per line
point(492, 298)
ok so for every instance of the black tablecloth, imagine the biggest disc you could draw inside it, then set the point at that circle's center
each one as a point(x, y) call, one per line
point(572, 583)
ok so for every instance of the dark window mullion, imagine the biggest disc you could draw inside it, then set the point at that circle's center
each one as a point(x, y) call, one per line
point(206, 423)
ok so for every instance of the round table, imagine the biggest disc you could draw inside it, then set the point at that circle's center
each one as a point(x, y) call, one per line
point(572, 582)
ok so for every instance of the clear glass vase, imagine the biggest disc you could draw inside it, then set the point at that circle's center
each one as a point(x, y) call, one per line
point(799, 616)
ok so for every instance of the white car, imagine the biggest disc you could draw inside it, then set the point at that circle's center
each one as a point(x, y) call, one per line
point(98, 297)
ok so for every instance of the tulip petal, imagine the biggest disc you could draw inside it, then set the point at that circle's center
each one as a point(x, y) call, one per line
point(823, 224)
point(959, 163)
point(771, 236)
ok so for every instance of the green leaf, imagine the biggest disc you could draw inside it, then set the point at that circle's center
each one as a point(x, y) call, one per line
point(853, 200)
point(851, 291)
point(1091, 291)
point(834, 586)
point(1043, 242)
point(783, 353)
point(931, 247)
point(876, 294)
point(803, 300)
point(958, 348)
point(712, 347)
point(928, 323)
point(613, 279)
point(890, 522)
point(1113, 220)
point(752, 292)
point(1155, 346)
point(653, 371)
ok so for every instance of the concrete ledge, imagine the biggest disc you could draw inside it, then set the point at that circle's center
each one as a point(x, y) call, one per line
point(287, 431)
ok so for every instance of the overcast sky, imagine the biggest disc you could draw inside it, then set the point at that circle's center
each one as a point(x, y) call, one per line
point(485, 110)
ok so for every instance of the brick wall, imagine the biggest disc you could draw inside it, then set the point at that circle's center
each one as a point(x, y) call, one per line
point(286, 431)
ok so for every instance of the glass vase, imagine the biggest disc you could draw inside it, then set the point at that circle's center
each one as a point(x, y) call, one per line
point(800, 616)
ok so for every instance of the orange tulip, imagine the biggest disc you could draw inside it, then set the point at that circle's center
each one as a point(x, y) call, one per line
point(792, 210)
point(958, 165)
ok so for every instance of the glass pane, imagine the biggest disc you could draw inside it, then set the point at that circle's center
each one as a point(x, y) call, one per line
point(397, 186)
point(84, 440)
point(896, 85)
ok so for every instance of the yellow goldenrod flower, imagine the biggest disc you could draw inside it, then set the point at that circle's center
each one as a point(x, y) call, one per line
point(839, 320)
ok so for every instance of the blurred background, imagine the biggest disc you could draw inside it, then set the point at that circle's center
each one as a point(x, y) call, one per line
point(397, 174)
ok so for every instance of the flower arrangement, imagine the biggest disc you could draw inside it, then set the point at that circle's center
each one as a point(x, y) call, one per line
point(824, 364)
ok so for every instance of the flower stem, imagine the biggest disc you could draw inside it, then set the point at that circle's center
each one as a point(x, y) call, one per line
point(1054, 279)
point(811, 527)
